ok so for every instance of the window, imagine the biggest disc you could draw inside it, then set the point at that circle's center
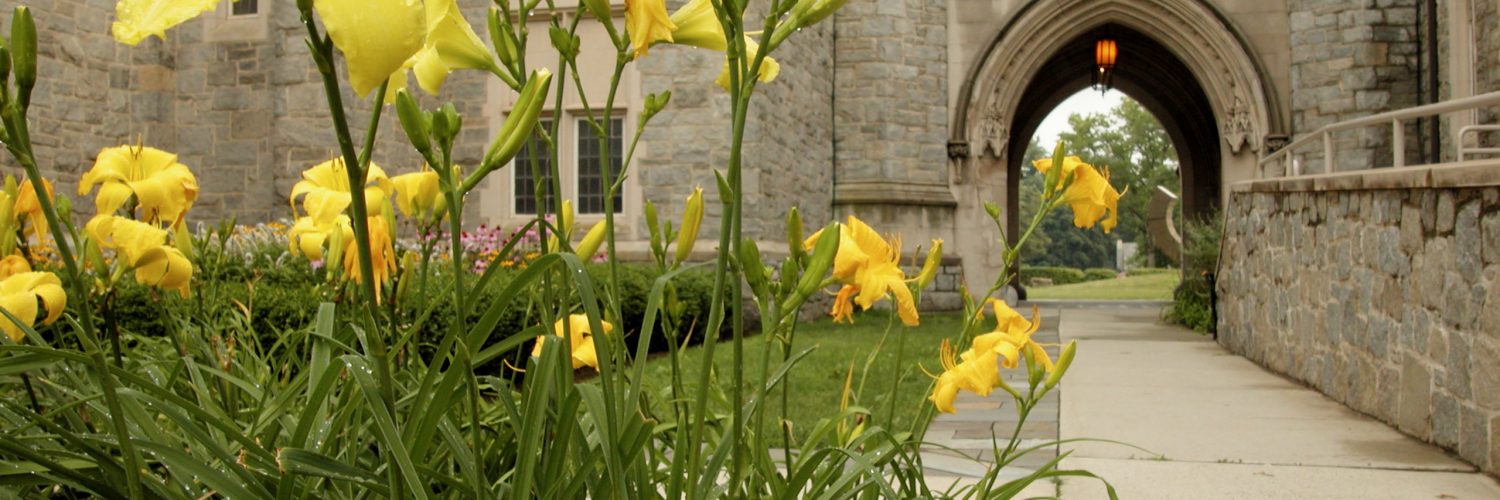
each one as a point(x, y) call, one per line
point(533, 158)
point(245, 8)
point(238, 21)
point(581, 166)
point(591, 186)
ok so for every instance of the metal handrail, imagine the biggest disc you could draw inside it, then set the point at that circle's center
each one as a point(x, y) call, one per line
point(1464, 151)
point(1394, 118)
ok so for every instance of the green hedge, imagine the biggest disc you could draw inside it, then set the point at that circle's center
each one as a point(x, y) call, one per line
point(286, 300)
point(1058, 275)
point(1099, 273)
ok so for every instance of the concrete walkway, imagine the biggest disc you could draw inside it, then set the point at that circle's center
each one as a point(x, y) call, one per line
point(1219, 426)
point(1208, 424)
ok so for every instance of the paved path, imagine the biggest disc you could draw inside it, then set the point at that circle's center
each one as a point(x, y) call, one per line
point(1215, 425)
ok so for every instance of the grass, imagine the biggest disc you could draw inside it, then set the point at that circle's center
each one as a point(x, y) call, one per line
point(1157, 286)
point(818, 380)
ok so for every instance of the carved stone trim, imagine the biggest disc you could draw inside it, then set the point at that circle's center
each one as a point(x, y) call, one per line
point(892, 193)
point(1189, 28)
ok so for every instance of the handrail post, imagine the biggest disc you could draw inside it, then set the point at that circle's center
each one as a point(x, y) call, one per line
point(1398, 144)
point(1328, 152)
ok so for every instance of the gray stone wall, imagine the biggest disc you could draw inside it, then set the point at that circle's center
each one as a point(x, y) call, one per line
point(1386, 300)
point(246, 116)
point(91, 92)
point(787, 157)
point(1353, 58)
point(891, 87)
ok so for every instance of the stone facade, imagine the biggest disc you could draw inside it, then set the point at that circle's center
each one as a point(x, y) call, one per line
point(1353, 58)
point(1387, 300)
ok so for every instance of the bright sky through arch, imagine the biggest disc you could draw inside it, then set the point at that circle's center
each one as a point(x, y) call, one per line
point(1084, 102)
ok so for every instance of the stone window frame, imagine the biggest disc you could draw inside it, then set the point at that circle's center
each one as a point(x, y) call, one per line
point(222, 25)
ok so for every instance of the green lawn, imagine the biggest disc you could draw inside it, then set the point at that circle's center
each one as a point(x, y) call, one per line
point(1147, 287)
point(817, 381)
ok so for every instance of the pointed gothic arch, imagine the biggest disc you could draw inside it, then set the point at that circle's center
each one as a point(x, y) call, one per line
point(1181, 59)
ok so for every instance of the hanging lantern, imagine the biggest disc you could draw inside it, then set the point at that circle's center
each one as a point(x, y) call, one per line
point(1105, 51)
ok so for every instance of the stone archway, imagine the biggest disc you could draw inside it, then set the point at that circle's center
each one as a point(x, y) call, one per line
point(1180, 58)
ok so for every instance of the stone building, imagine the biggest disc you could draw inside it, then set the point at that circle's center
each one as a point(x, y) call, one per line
point(911, 114)
point(904, 112)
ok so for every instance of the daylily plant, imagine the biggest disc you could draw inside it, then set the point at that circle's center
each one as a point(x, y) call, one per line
point(19, 294)
point(580, 340)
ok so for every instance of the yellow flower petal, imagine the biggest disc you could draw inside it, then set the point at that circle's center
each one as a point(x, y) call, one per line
point(382, 255)
point(166, 268)
point(137, 19)
point(164, 189)
point(418, 194)
point(377, 37)
point(646, 22)
point(12, 265)
point(19, 295)
point(29, 207)
point(325, 189)
point(451, 45)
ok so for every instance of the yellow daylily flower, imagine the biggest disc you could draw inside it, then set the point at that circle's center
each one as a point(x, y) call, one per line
point(979, 375)
point(694, 24)
point(1012, 335)
point(377, 37)
point(144, 248)
point(1087, 192)
point(327, 193)
point(164, 189)
point(12, 265)
point(581, 340)
point(19, 294)
point(646, 22)
point(450, 45)
point(870, 264)
point(307, 235)
point(382, 255)
point(137, 19)
point(419, 196)
point(29, 207)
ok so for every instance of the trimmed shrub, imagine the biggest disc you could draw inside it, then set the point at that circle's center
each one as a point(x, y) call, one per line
point(1192, 301)
point(1099, 273)
point(1058, 275)
point(1147, 271)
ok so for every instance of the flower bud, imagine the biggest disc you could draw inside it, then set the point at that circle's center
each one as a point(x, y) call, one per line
point(502, 38)
point(520, 123)
point(992, 209)
point(726, 193)
point(23, 52)
point(591, 241)
point(64, 205)
point(794, 234)
point(567, 218)
point(4, 64)
point(11, 186)
point(654, 104)
point(305, 6)
point(653, 226)
point(1054, 175)
point(600, 10)
point(334, 256)
point(565, 43)
point(930, 267)
point(1061, 367)
point(414, 121)
point(182, 239)
point(822, 259)
point(692, 218)
point(753, 268)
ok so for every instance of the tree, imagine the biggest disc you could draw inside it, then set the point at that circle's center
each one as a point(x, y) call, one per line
point(1132, 144)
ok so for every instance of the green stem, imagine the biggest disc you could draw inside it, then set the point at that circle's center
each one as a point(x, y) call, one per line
point(20, 147)
point(354, 166)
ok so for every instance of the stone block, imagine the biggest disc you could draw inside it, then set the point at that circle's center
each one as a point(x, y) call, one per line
point(1473, 443)
point(1445, 420)
point(1445, 211)
point(1485, 362)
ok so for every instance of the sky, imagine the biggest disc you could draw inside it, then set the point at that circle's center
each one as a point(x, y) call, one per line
point(1084, 102)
